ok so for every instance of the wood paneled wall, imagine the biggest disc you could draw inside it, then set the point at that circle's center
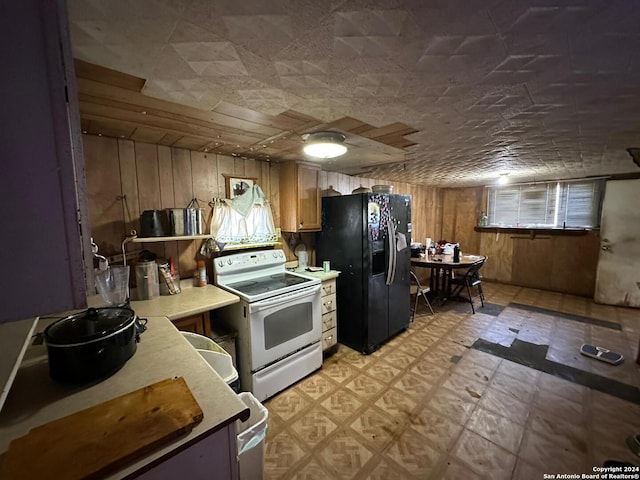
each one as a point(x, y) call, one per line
point(551, 262)
point(125, 178)
point(461, 208)
point(425, 201)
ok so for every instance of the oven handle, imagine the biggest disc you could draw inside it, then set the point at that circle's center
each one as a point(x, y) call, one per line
point(285, 298)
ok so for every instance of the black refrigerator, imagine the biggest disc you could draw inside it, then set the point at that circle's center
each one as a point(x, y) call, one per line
point(367, 237)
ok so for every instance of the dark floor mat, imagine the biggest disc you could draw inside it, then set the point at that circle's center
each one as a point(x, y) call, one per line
point(533, 356)
point(463, 305)
point(568, 316)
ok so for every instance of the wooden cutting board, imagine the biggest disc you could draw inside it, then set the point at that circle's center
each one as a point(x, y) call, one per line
point(102, 439)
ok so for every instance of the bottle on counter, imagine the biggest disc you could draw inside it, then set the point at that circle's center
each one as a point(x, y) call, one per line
point(201, 274)
point(456, 254)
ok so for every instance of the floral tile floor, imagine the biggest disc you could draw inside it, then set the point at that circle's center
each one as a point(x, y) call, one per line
point(426, 405)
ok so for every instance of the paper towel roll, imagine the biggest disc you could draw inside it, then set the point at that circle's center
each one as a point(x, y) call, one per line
point(427, 242)
point(302, 260)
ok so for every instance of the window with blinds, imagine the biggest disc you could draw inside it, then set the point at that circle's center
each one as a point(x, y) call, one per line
point(565, 204)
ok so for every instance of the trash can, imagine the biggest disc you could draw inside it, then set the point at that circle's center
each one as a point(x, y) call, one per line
point(216, 357)
point(251, 436)
point(226, 338)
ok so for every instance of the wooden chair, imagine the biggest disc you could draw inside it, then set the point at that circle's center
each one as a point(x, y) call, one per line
point(471, 278)
point(419, 291)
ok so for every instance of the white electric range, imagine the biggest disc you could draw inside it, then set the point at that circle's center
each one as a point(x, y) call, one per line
point(278, 320)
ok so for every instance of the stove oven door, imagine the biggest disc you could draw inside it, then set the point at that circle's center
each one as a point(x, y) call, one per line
point(284, 324)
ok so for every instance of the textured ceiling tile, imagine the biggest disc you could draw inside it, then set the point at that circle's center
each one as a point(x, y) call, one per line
point(148, 30)
point(540, 87)
point(206, 51)
point(378, 23)
point(187, 31)
point(260, 34)
point(167, 65)
point(219, 68)
point(103, 32)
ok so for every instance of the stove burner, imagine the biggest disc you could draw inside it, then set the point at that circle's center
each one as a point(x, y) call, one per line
point(287, 280)
point(241, 285)
point(271, 283)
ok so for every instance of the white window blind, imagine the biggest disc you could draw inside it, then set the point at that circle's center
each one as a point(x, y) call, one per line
point(570, 204)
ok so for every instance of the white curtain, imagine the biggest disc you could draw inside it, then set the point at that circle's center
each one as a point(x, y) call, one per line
point(244, 219)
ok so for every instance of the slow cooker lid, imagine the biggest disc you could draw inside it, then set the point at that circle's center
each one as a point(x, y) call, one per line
point(89, 325)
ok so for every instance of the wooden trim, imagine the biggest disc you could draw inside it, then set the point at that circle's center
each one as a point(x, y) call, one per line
point(108, 76)
point(533, 232)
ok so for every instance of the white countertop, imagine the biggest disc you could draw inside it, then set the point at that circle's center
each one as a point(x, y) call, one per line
point(191, 301)
point(35, 399)
point(321, 275)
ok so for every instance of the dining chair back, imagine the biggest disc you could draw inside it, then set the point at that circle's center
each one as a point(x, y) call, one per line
point(419, 291)
point(470, 278)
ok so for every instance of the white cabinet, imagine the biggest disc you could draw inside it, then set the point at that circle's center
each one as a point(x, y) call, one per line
point(329, 314)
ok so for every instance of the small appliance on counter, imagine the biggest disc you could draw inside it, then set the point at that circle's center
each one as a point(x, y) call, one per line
point(147, 285)
point(91, 345)
point(113, 284)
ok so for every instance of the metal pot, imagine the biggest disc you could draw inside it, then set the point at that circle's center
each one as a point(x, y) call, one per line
point(151, 224)
point(91, 345)
point(361, 189)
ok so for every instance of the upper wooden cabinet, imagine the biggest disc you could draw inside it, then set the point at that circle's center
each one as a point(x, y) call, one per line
point(300, 206)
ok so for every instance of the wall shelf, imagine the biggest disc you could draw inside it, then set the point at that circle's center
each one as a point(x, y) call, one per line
point(136, 239)
point(238, 246)
point(245, 246)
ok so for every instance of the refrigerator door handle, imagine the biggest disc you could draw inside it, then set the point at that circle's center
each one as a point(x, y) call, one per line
point(390, 247)
point(395, 254)
point(391, 268)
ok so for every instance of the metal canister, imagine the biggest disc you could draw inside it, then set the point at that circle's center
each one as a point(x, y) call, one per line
point(194, 221)
point(199, 221)
point(176, 221)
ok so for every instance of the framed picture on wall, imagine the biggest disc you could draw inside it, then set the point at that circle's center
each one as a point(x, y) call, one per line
point(236, 185)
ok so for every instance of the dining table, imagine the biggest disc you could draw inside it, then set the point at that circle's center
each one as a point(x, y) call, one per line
point(442, 267)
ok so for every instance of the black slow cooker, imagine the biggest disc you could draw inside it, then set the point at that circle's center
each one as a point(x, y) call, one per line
point(91, 345)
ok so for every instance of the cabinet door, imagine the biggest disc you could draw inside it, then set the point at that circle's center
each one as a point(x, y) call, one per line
point(194, 323)
point(308, 198)
point(300, 197)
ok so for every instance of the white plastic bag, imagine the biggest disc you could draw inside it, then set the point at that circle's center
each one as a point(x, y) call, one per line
point(254, 430)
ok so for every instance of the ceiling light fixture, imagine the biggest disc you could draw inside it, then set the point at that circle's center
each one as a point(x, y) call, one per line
point(324, 144)
point(503, 180)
